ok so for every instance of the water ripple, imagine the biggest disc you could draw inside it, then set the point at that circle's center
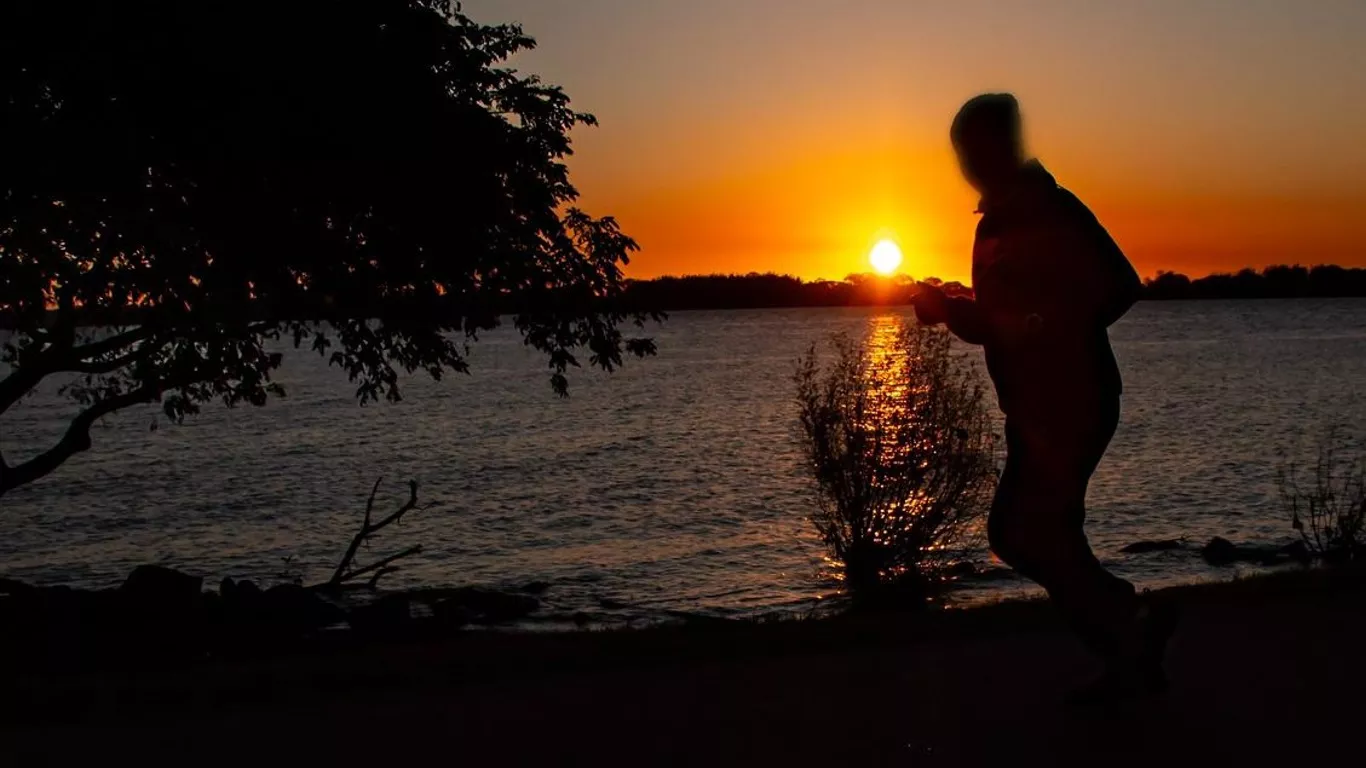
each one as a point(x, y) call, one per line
point(675, 484)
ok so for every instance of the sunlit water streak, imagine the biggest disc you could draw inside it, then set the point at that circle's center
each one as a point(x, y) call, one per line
point(676, 484)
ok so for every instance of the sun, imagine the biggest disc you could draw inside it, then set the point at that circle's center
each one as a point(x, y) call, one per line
point(886, 257)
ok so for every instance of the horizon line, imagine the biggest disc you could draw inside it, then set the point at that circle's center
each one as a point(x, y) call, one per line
point(905, 275)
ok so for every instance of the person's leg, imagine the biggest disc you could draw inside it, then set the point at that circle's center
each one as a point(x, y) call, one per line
point(1037, 527)
point(1014, 509)
point(1099, 604)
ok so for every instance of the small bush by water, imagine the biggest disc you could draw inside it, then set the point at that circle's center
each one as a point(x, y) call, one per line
point(898, 439)
point(1328, 508)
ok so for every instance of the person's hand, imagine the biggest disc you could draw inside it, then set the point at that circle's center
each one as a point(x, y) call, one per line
point(931, 304)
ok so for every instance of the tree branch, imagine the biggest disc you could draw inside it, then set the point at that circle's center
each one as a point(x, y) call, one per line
point(18, 383)
point(343, 573)
point(382, 565)
point(59, 355)
point(359, 538)
point(408, 506)
point(80, 359)
point(76, 439)
point(112, 344)
point(97, 367)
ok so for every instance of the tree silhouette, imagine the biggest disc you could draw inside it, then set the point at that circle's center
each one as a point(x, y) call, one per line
point(756, 291)
point(184, 183)
point(753, 291)
point(1274, 282)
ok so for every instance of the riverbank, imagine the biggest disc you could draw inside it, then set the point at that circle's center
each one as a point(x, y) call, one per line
point(1265, 670)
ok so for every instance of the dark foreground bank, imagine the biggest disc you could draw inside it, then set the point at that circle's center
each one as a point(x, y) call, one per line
point(1266, 672)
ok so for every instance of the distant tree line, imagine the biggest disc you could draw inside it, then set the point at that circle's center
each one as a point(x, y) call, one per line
point(762, 291)
point(759, 291)
point(1276, 282)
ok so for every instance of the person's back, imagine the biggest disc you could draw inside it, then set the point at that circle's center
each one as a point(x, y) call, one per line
point(1050, 280)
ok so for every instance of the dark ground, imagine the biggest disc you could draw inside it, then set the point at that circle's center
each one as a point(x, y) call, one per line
point(1266, 672)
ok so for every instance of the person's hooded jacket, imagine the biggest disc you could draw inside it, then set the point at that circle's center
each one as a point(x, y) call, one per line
point(1048, 281)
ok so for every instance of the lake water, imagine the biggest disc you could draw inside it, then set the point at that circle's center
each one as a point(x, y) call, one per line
point(674, 485)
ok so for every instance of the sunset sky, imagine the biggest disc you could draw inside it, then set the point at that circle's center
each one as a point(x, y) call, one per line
point(790, 135)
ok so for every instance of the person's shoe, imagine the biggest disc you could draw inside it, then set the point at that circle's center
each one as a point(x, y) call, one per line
point(1157, 623)
point(1138, 670)
point(1112, 687)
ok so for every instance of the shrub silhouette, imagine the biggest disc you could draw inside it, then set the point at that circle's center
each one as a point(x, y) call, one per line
point(898, 437)
point(367, 179)
point(1329, 509)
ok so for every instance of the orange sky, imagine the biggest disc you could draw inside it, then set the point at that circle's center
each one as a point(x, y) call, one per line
point(789, 135)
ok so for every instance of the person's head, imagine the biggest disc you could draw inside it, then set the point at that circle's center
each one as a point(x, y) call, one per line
point(987, 137)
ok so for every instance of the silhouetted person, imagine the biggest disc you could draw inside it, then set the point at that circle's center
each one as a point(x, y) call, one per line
point(1049, 281)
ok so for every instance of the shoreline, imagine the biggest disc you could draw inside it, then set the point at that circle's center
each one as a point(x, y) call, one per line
point(1258, 666)
point(492, 655)
point(541, 606)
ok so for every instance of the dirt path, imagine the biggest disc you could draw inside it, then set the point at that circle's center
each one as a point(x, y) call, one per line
point(1273, 679)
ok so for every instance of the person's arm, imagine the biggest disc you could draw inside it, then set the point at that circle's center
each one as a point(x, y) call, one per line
point(962, 315)
point(964, 319)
